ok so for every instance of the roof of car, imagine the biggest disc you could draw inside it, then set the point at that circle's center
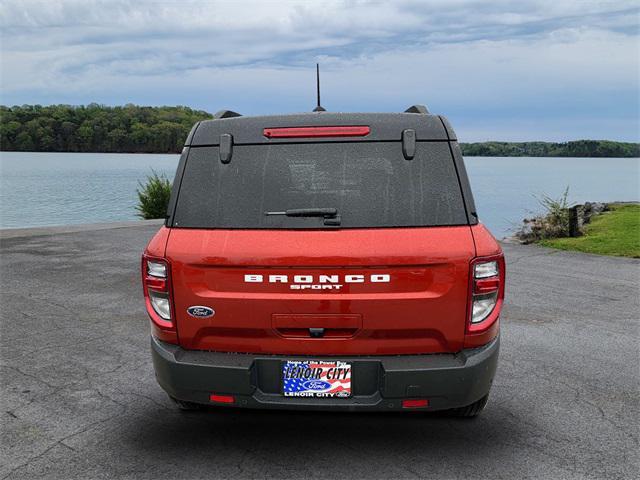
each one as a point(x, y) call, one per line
point(383, 127)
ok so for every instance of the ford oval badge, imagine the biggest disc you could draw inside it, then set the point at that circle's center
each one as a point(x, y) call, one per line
point(199, 311)
point(316, 385)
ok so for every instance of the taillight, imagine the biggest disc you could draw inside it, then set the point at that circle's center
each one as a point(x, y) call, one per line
point(156, 278)
point(487, 292)
point(310, 132)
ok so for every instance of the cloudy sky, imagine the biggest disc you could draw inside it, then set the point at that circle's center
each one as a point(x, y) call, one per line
point(503, 70)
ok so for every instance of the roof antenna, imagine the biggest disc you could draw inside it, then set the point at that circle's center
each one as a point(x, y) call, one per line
point(319, 107)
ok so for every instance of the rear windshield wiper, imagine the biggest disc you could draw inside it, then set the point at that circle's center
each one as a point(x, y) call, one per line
point(330, 215)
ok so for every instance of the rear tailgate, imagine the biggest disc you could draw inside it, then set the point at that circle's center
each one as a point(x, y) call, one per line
point(361, 291)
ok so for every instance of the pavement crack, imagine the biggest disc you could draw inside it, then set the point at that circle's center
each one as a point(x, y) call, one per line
point(60, 442)
point(29, 375)
point(579, 398)
point(58, 347)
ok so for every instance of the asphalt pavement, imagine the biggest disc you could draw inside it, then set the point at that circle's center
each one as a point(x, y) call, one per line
point(79, 399)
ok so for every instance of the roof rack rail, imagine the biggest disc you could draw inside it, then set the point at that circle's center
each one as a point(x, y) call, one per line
point(417, 109)
point(225, 114)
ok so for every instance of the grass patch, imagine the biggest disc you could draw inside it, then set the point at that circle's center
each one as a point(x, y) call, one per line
point(616, 232)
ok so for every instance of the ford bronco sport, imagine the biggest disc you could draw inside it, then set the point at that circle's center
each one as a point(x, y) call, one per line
point(324, 261)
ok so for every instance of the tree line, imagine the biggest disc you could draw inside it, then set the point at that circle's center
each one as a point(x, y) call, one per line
point(578, 148)
point(136, 129)
point(96, 128)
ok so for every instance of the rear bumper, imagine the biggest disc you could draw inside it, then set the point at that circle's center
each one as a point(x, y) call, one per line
point(378, 382)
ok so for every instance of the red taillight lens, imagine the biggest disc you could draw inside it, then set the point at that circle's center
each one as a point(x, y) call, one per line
point(156, 280)
point(486, 285)
point(486, 292)
point(308, 132)
point(156, 283)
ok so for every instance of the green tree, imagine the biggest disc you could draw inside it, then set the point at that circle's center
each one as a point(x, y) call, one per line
point(578, 148)
point(117, 140)
point(96, 128)
point(25, 141)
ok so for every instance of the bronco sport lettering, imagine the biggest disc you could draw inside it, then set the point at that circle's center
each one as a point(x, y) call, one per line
point(324, 282)
point(328, 261)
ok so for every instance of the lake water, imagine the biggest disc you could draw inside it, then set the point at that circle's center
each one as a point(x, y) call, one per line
point(38, 189)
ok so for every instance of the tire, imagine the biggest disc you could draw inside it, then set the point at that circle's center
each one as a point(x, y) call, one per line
point(472, 410)
point(186, 406)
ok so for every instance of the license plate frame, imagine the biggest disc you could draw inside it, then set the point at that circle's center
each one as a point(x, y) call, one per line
point(316, 379)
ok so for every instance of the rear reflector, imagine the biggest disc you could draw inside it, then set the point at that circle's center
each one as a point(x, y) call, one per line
point(415, 403)
point(222, 398)
point(308, 132)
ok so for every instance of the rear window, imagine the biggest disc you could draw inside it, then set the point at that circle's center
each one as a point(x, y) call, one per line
point(370, 184)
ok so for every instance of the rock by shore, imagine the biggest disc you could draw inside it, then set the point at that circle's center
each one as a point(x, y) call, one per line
point(557, 223)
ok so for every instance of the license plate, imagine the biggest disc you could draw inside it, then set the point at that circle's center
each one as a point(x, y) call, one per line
point(316, 378)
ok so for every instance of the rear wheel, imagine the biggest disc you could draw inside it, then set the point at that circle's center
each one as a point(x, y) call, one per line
point(472, 410)
point(186, 406)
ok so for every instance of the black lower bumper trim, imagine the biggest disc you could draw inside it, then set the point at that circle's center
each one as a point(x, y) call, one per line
point(378, 382)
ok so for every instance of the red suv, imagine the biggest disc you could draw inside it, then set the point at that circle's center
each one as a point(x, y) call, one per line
point(324, 261)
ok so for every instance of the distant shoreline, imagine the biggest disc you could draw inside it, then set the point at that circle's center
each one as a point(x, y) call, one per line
point(573, 149)
point(463, 152)
point(130, 128)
